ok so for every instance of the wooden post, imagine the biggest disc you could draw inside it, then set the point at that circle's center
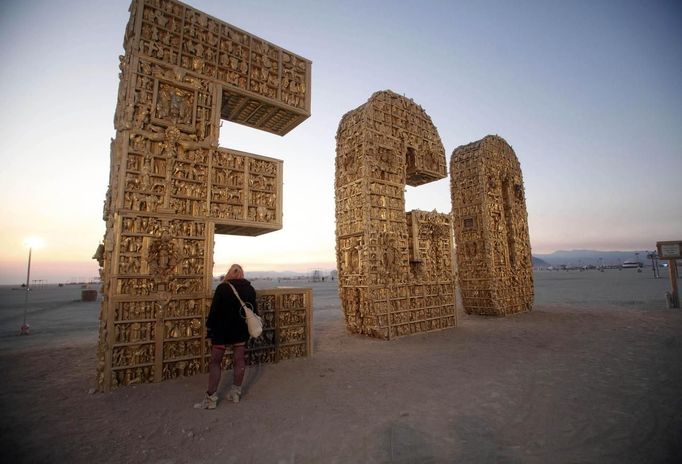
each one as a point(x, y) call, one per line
point(673, 283)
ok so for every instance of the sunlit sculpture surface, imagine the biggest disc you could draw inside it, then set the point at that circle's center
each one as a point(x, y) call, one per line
point(395, 268)
point(491, 228)
point(171, 189)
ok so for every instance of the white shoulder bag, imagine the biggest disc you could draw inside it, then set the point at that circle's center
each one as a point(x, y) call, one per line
point(253, 321)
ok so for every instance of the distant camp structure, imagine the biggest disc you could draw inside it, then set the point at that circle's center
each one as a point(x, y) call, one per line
point(631, 264)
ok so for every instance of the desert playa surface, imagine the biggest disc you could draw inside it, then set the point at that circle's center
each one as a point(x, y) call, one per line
point(592, 374)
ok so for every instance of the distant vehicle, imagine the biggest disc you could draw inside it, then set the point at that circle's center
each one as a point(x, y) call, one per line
point(631, 264)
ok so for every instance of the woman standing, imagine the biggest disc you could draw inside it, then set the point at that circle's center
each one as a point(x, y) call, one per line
point(226, 325)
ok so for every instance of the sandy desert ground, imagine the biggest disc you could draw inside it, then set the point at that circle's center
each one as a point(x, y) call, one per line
point(592, 375)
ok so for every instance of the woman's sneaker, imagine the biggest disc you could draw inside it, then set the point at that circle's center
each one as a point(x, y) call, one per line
point(234, 394)
point(209, 402)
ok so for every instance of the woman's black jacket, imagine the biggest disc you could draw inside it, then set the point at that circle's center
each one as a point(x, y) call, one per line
point(225, 323)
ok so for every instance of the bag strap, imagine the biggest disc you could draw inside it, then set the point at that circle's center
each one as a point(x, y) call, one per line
point(243, 305)
point(236, 294)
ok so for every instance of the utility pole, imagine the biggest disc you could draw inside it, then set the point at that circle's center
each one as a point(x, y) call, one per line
point(24, 326)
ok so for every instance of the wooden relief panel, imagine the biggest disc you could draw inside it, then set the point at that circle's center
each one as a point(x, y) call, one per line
point(491, 228)
point(163, 340)
point(287, 327)
point(263, 85)
point(395, 268)
point(172, 188)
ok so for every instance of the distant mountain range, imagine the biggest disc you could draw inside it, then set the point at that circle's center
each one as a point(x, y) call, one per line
point(537, 262)
point(573, 258)
point(569, 258)
point(286, 275)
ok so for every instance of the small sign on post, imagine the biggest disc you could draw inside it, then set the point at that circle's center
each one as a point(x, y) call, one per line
point(671, 251)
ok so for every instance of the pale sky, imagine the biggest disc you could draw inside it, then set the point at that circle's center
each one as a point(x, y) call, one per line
point(589, 94)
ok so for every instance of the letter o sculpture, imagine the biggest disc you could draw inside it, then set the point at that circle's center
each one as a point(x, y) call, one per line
point(491, 228)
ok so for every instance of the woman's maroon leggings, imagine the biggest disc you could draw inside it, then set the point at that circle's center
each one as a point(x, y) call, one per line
point(238, 365)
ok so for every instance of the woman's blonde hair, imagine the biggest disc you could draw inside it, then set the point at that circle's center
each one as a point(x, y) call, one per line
point(235, 272)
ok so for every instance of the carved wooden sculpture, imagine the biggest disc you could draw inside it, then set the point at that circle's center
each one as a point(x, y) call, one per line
point(171, 188)
point(395, 269)
point(491, 228)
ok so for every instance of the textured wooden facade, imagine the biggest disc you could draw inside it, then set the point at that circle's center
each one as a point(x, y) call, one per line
point(154, 340)
point(491, 228)
point(395, 268)
point(261, 84)
point(171, 189)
